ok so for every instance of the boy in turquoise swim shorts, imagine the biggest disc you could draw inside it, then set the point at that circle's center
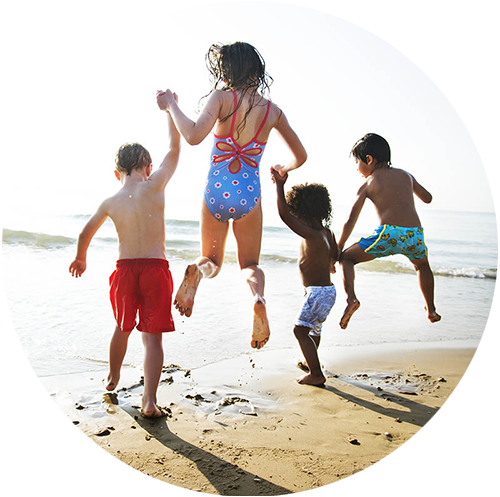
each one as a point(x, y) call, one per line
point(306, 210)
point(400, 232)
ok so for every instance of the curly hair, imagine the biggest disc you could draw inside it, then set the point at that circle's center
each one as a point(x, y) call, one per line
point(238, 66)
point(131, 156)
point(309, 202)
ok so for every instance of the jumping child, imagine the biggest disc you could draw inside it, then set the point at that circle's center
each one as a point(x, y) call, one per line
point(400, 232)
point(142, 281)
point(306, 210)
point(243, 119)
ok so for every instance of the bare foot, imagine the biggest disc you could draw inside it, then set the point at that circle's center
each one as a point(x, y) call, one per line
point(309, 379)
point(151, 410)
point(303, 365)
point(184, 299)
point(110, 383)
point(351, 308)
point(433, 317)
point(260, 332)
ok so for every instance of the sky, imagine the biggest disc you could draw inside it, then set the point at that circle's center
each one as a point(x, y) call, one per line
point(81, 78)
point(83, 81)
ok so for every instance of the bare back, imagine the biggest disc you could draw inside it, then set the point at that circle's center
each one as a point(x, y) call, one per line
point(391, 191)
point(316, 256)
point(137, 211)
point(253, 121)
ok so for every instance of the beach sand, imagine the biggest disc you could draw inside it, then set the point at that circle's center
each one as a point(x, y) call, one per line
point(245, 426)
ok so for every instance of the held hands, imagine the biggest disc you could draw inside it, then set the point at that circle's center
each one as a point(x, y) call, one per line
point(77, 268)
point(333, 269)
point(278, 175)
point(164, 99)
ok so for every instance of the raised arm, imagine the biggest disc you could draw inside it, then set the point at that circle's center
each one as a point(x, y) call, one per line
point(353, 218)
point(293, 142)
point(79, 265)
point(167, 168)
point(286, 216)
point(194, 132)
point(421, 192)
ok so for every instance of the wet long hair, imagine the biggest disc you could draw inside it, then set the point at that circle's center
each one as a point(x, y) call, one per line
point(238, 66)
point(309, 202)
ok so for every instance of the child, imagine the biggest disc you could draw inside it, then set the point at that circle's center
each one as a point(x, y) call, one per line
point(391, 191)
point(306, 210)
point(243, 119)
point(142, 280)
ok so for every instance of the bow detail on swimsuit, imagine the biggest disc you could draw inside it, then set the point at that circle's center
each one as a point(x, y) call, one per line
point(236, 154)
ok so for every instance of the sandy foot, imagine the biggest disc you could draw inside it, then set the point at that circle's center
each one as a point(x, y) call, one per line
point(261, 331)
point(351, 308)
point(151, 410)
point(184, 299)
point(309, 379)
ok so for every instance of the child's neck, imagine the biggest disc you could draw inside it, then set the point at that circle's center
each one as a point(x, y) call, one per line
point(134, 177)
point(316, 224)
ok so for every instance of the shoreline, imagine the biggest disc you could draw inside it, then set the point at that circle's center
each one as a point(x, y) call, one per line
point(243, 426)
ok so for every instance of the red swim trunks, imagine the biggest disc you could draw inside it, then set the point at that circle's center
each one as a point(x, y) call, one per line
point(144, 286)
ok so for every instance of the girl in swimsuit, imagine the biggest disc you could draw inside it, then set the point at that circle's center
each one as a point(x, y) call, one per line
point(243, 119)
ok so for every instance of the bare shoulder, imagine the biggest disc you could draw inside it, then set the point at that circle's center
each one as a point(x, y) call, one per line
point(276, 113)
point(400, 173)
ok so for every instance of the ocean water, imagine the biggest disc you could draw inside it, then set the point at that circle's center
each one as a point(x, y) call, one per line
point(65, 324)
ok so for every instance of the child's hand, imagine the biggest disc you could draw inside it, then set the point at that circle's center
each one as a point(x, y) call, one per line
point(333, 269)
point(77, 268)
point(277, 176)
point(165, 98)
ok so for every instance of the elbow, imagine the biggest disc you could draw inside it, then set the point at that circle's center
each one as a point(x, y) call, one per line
point(194, 140)
point(301, 158)
point(193, 136)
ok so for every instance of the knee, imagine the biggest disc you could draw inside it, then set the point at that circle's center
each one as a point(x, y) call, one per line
point(252, 272)
point(208, 267)
point(300, 332)
point(421, 265)
point(152, 340)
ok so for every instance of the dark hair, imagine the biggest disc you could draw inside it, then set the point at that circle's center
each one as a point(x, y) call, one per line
point(309, 202)
point(131, 156)
point(238, 66)
point(374, 145)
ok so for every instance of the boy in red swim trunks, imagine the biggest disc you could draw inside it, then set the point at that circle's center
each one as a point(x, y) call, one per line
point(142, 282)
point(391, 190)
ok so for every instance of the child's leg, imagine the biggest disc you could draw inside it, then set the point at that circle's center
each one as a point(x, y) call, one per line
point(303, 364)
point(309, 348)
point(153, 363)
point(426, 282)
point(348, 259)
point(213, 242)
point(248, 234)
point(117, 351)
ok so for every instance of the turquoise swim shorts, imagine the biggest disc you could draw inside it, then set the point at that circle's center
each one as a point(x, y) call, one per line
point(390, 240)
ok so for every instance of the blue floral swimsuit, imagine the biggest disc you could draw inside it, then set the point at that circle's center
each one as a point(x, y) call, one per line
point(233, 195)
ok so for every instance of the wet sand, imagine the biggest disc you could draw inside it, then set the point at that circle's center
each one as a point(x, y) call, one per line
point(245, 426)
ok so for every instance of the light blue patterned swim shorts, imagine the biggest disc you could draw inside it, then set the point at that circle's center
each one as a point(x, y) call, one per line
point(317, 304)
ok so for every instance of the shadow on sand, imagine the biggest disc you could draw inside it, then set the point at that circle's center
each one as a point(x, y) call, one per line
point(417, 414)
point(225, 477)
